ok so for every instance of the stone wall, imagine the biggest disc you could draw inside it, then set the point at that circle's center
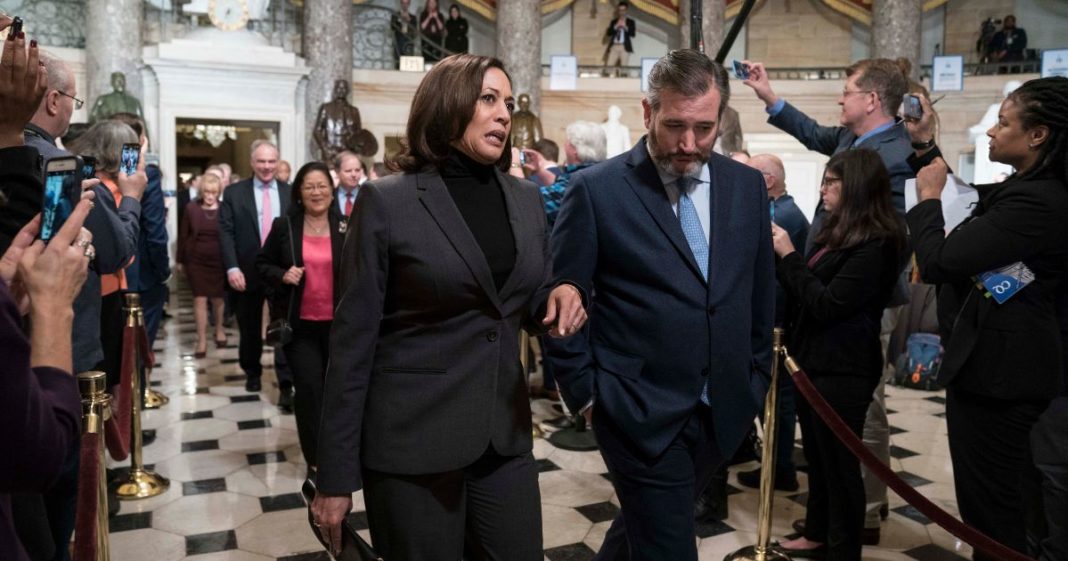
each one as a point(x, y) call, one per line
point(798, 33)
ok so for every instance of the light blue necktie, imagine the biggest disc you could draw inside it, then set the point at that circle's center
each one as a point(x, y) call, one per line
point(695, 236)
point(691, 224)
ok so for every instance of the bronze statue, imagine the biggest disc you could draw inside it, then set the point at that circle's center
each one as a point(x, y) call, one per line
point(526, 127)
point(118, 101)
point(337, 127)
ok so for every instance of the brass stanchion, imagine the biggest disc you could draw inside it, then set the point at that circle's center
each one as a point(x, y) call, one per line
point(139, 483)
point(152, 398)
point(761, 551)
point(96, 408)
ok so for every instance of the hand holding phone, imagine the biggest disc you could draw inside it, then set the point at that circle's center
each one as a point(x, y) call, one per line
point(132, 179)
point(22, 83)
point(913, 107)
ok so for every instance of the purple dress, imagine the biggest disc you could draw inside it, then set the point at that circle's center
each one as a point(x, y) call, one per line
point(199, 251)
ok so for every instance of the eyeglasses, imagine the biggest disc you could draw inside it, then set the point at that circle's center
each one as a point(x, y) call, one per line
point(845, 93)
point(828, 181)
point(77, 102)
point(310, 188)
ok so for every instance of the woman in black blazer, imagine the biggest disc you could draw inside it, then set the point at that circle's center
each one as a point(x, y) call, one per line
point(426, 406)
point(835, 302)
point(1002, 362)
point(299, 263)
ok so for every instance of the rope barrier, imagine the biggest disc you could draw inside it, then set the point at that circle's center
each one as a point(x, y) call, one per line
point(87, 518)
point(118, 427)
point(966, 533)
point(91, 519)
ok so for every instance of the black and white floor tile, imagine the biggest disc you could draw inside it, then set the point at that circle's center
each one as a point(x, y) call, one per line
point(235, 468)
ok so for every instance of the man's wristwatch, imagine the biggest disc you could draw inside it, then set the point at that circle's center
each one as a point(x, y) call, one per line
point(924, 145)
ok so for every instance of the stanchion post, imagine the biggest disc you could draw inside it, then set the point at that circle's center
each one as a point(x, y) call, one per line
point(761, 551)
point(139, 483)
point(96, 408)
point(152, 398)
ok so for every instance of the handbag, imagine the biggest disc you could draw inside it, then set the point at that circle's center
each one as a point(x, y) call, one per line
point(279, 331)
point(353, 547)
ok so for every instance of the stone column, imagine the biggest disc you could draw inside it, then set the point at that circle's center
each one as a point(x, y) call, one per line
point(713, 26)
point(519, 47)
point(896, 30)
point(328, 54)
point(113, 43)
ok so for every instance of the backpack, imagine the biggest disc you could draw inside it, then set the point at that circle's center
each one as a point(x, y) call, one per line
point(918, 366)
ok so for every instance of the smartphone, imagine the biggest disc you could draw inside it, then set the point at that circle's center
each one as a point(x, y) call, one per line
point(913, 107)
point(88, 167)
point(16, 27)
point(522, 158)
point(131, 154)
point(62, 190)
point(741, 70)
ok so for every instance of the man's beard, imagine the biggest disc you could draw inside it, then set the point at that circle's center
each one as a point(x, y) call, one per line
point(663, 161)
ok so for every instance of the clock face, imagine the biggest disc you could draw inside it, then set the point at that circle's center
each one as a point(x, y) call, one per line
point(228, 15)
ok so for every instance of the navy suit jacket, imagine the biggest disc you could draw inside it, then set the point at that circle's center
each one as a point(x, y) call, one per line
point(657, 329)
point(152, 266)
point(239, 228)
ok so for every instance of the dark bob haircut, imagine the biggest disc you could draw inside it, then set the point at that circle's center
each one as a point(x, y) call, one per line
point(442, 108)
point(296, 202)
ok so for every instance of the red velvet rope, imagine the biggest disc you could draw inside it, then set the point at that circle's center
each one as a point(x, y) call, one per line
point(966, 533)
point(85, 525)
point(118, 426)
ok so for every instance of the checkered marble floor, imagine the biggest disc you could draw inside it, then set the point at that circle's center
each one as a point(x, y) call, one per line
point(235, 468)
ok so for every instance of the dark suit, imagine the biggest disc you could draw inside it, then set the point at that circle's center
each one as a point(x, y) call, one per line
point(610, 34)
point(834, 321)
point(424, 388)
point(308, 352)
point(1002, 362)
point(148, 273)
point(239, 236)
point(658, 331)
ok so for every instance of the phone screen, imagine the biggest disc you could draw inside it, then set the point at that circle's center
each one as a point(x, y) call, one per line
point(57, 203)
point(741, 70)
point(913, 107)
point(131, 153)
point(88, 167)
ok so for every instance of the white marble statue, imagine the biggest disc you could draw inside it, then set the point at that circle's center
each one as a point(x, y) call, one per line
point(985, 170)
point(617, 133)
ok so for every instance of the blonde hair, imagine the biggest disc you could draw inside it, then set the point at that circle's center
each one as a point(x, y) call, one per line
point(209, 179)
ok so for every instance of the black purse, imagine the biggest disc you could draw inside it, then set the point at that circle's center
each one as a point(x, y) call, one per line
point(279, 331)
point(353, 547)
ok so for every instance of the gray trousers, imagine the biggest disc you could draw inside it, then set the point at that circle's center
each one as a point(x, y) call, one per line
point(877, 430)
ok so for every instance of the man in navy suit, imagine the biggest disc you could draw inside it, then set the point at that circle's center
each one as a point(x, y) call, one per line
point(673, 244)
point(247, 211)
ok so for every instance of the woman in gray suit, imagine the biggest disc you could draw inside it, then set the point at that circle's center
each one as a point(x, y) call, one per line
point(425, 404)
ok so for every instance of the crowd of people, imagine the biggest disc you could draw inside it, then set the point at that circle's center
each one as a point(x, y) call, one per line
point(652, 279)
point(436, 35)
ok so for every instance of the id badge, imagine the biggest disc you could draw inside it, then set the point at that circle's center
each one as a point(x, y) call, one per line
point(1002, 284)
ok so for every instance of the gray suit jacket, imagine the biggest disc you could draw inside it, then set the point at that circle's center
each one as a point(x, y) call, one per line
point(424, 369)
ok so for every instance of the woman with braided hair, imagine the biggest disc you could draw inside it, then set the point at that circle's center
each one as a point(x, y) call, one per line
point(999, 272)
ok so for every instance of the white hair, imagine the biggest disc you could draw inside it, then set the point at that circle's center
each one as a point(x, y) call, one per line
point(60, 77)
point(589, 141)
point(256, 144)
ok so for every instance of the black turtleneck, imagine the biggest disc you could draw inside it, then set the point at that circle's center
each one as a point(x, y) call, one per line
point(474, 189)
